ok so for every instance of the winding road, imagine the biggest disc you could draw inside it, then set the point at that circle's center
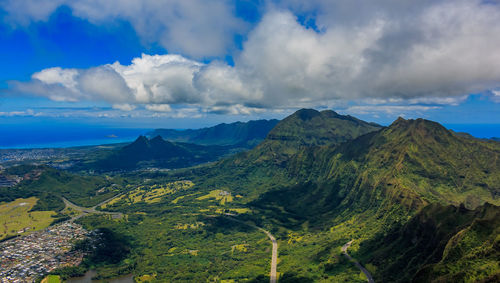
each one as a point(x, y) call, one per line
point(90, 210)
point(366, 272)
point(274, 254)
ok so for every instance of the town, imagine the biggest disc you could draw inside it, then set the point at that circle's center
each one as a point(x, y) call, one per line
point(26, 258)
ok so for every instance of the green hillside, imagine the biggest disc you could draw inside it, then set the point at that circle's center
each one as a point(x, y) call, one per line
point(49, 185)
point(306, 128)
point(416, 162)
point(155, 152)
point(392, 172)
point(419, 201)
point(439, 244)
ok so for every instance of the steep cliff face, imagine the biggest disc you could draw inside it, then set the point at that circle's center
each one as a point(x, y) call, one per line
point(439, 244)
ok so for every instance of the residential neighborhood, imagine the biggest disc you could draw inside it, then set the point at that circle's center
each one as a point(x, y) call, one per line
point(26, 258)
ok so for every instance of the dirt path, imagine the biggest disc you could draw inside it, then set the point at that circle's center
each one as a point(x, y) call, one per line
point(274, 254)
point(366, 272)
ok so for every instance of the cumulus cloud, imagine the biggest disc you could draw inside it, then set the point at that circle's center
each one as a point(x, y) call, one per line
point(197, 28)
point(437, 54)
point(495, 95)
point(124, 107)
point(26, 113)
point(401, 110)
point(159, 107)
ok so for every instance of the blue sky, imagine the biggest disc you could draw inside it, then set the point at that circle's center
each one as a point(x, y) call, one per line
point(196, 63)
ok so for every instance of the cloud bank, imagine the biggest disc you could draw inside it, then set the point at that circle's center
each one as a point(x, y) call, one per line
point(421, 52)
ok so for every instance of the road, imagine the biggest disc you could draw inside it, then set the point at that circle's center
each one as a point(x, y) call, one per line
point(366, 272)
point(91, 210)
point(274, 254)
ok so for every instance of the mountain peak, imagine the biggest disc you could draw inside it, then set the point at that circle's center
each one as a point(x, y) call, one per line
point(309, 127)
point(141, 140)
point(330, 113)
point(157, 137)
point(399, 120)
point(421, 126)
point(306, 114)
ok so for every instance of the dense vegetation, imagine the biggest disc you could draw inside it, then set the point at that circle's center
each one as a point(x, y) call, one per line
point(153, 153)
point(49, 185)
point(419, 201)
point(439, 244)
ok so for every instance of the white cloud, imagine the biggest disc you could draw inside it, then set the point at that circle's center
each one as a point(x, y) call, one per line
point(389, 109)
point(196, 28)
point(57, 75)
point(105, 82)
point(495, 95)
point(25, 11)
point(159, 107)
point(162, 79)
point(124, 107)
point(25, 113)
point(436, 54)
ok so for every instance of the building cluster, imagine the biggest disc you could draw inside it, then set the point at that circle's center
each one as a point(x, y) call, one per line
point(26, 258)
point(9, 181)
point(7, 155)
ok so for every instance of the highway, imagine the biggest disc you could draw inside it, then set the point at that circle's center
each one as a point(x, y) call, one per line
point(274, 254)
point(366, 272)
point(91, 210)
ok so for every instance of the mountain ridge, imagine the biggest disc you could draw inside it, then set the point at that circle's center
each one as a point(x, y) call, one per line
point(242, 134)
point(156, 152)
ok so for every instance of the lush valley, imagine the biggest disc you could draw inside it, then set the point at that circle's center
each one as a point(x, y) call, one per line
point(419, 201)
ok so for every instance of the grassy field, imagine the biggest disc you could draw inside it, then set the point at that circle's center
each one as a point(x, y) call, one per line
point(52, 279)
point(151, 194)
point(16, 218)
point(219, 195)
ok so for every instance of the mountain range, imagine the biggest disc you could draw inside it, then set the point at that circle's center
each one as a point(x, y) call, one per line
point(429, 194)
point(419, 202)
point(237, 134)
point(321, 168)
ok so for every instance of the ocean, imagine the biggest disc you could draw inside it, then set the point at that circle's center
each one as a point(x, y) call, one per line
point(70, 135)
point(57, 136)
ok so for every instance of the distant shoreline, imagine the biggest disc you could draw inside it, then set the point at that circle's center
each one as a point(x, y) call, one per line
point(31, 137)
point(71, 144)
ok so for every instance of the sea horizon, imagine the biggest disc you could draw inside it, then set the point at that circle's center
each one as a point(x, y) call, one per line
point(65, 136)
point(14, 137)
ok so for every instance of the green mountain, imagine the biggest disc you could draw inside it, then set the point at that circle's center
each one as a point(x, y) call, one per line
point(419, 201)
point(309, 127)
point(393, 172)
point(416, 162)
point(303, 129)
point(156, 152)
point(439, 244)
point(239, 134)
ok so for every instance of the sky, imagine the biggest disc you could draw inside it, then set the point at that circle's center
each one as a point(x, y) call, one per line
point(196, 63)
